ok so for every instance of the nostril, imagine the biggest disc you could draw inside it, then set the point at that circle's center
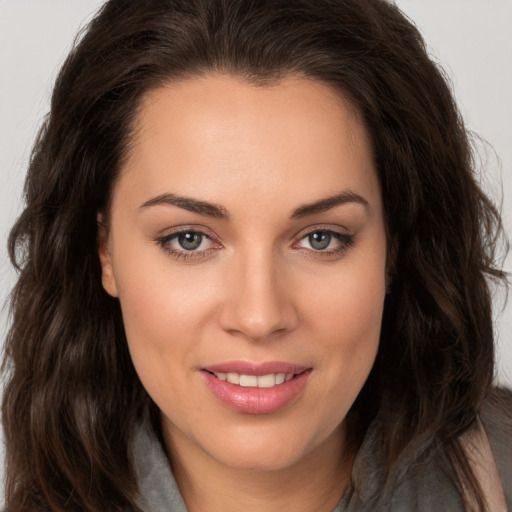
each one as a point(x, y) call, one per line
point(255, 305)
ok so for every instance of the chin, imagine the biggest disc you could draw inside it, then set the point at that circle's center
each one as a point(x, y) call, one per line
point(264, 460)
point(258, 450)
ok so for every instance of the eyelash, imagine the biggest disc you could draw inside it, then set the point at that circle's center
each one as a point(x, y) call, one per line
point(183, 254)
point(346, 241)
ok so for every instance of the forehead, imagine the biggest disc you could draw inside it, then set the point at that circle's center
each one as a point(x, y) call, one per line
point(214, 136)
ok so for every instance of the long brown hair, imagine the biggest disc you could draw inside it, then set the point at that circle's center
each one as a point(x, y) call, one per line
point(72, 393)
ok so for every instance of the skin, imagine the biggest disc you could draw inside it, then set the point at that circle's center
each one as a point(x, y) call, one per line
point(256, 289)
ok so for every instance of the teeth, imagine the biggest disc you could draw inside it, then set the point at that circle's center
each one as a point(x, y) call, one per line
point(234, 378)
point(266, 381)
point(248, 381)
point(253, 381)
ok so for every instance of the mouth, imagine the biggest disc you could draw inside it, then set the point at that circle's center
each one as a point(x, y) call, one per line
point(256, 388)
point(269, 380)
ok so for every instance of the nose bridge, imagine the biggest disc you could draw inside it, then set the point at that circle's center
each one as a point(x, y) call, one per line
point(258, 303)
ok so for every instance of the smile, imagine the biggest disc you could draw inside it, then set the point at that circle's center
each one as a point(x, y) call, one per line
point(256, 388)
point(254, 381)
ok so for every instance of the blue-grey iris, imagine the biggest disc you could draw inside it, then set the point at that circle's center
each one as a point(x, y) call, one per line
point(319, 240)
point(190, 241)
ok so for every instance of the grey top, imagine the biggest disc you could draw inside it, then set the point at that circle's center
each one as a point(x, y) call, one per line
point(415, 484)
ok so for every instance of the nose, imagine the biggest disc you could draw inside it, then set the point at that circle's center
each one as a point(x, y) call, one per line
point(258, 301)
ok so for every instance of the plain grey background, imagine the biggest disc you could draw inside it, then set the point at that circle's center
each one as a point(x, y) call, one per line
point(471, 39)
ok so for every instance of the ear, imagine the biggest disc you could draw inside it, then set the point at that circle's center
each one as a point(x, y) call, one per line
point(104, 253)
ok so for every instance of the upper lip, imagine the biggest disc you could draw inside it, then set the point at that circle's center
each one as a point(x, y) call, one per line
point(257, 369)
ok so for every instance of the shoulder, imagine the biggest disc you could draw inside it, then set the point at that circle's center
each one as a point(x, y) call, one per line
point(496, 414)
point(157, 487)
point(422, 477)
point(496, 419)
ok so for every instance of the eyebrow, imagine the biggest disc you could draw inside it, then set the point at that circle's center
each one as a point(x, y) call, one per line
point(219, 212)
point(326, 204)
point(192, 205)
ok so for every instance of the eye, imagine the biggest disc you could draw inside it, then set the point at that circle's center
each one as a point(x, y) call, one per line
point(319, 240)
point(325, 241)
point(188, 243)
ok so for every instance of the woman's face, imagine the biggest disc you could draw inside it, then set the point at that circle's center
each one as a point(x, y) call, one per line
point(247, 246)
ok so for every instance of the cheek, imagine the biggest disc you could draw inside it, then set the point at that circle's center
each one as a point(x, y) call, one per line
point(352, 333)
point(157, 300)
point(163, 317)
point(348, 304)
point(163, 314)
point(345, 320)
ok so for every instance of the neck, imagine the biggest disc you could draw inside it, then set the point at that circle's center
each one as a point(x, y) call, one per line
point(315, 482)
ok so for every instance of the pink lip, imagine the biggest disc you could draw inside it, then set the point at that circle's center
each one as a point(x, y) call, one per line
point(253, 400)
point(248, 368)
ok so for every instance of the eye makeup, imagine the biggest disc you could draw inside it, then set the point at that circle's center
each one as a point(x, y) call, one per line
point(189, 243)
point(325, 242)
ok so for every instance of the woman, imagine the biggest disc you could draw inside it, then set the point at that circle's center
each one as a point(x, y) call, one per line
point(253, 272)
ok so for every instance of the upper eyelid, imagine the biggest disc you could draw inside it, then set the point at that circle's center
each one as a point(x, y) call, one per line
point(346, 238)
point(322, 227)
point(202, 230)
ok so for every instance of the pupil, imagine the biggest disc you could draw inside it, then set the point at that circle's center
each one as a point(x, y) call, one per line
point(320, 240)
point(189, 241)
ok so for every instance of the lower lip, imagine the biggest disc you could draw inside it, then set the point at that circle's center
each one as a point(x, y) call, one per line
point(252, 400)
